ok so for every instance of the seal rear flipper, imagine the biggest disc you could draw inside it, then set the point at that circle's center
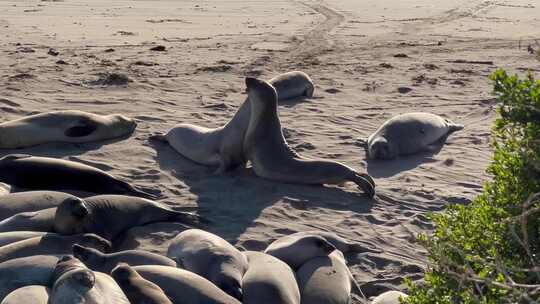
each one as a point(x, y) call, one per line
point(158, 137)
point(81, 129)
point(189, 218)
point(453, 127)
point(15, 156)
point(130, 190)
point(365, 184)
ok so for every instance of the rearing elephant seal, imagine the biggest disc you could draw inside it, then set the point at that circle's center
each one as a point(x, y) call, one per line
point(137, 289)
point(408, 134)
point(222, 146)
point(45, 173)
point(70, 126)
point(295, 250)
point(110, 215)
point(212, 257)
point(271, 157)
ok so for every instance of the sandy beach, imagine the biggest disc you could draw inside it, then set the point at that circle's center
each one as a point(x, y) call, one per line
point(370, 60)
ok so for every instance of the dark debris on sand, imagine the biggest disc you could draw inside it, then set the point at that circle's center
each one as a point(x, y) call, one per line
point(110, 79)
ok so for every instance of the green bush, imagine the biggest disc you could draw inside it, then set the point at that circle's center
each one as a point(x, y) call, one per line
point(488, 251)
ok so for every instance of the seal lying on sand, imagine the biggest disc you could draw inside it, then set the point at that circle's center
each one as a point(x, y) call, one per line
point(52, 244)
point(222, 146)
point(137, 289)
point(28, 201)
point(184, 287)
point(15, 236)
point(110, 215)
point(105, 262)
point(268, 281)
point(212, 257)
point(45, 173)
point(271, 157)
point(34, 294)
point(42, 220)
point(295, 250)
point(70, 126)
point(76, 284)
point(408, 134)
point(389, 297)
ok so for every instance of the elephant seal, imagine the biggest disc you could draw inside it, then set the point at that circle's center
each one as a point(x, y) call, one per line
point(15, 236)
point(408, 134)
point(45, 173)
point(222, 147)
point(389, 297)
point(35, 294)
point(42, 220)
point(69, 126)
point(326, 280)
point(296, 250)
point(73, 283)
point(340, 243)
point(184, 287)
point(110, 215)
point(29, 201)
point(32, 270)
point(52, 244)
point(211, 257)
point(136, 288)
point(269, 280)
point(273, 159)
point(105, 262)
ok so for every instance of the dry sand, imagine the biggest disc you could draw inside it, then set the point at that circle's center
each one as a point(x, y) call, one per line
point(349, 47)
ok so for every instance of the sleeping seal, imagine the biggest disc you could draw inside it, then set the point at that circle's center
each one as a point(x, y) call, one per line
point(268, 281)
point(222, 147)
point(295, 250)
point(110, 215)
point(34, 294)
point(136, 288)
point(273, 159)
point(69, 126)
point(42, 220)
point(389, 297)
point(45, 173)
point(28, 201)
point(340, 243)
point(15, 236)
point(184, 287)
point(73, 283)
point(211, 257)
point(52, 244)
point(105, 262)
point(408, 134)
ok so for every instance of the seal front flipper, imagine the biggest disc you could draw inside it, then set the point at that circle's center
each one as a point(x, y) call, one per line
point(81, 129)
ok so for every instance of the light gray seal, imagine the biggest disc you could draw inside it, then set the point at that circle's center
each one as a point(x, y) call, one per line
point(46, 173)
point(184, 287)
point(326, 280)
point(52, 244)
point(15, 236)
point(273, 159)
point(211, 257)
point(222, 147)
point(42, 220)
point(136, 288)
point(389, 297)
point(408, 134)
point(110, 215)
point(76, 284)
point(268, 280)
point(33, 294)
point(105, 262)
point(69, 126)
point(295, 250)
point(21, 272)
point(29, 201)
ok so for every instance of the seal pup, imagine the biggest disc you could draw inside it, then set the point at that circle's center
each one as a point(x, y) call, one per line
point(34, 294)
point(326, 280)
point(110, 215)
point(268, 281)
point(32, 270)
point(408, 134)
point(105, 262)
point(42, 220)
point(296, 250)
point(184, 287)
point(222, 147)
point(29, 201)
point(136, 288)
point(73, 283)
point(389, 297)
point(211, 257)
point(52, 244)
point(15, 236)
point(273, 159)
point(69, 126)
point(45, 173)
